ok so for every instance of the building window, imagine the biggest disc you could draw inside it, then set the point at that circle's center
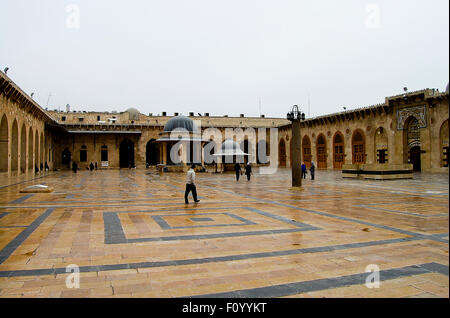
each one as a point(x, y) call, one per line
point(382, 156)
point(445, 156)
point(98, 118)
point(83, 154)
point(80, 119)
point(63, 118)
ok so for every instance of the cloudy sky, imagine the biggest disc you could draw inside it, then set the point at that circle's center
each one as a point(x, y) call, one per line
point(223, 57)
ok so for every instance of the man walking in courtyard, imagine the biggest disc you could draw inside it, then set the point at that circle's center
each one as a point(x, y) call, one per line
point(237, 169)
point(312, 169)
point(248, 170)
point(303, 170)
point(190, 186)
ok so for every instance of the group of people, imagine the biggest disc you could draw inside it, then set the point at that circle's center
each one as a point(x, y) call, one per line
point(238, 170)
point(91, 167)
point(312, 169)
point(190, 180)
point(46, 168)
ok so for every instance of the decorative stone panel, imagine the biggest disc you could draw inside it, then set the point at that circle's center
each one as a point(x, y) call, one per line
point(419, 112)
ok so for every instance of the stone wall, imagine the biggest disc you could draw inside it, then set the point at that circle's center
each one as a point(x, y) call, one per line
point(382, 127)
point(25, 143)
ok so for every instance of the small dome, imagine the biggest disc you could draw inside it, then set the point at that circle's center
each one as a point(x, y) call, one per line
point(229, 145)
point(134, 113)
point(231, 148)
point(179, 122)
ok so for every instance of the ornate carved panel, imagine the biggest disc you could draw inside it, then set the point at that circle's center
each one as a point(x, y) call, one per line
point(418, 112)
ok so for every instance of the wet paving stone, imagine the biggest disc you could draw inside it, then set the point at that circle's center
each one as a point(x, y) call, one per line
point(130, 234)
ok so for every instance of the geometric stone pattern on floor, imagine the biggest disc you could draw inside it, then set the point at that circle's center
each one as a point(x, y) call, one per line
point(131, 235)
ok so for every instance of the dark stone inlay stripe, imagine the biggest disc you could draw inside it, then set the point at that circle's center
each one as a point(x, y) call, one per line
point(400, 212)
point(159, 219)
point(327, 283)
point(2, 214)
point(67, 205)
point(209, 259)
point(13, 184)
point(202, 220)
point(209, 236)
point(161, 222)
point(114, 232)
point(385, 227)
point(22, 199)
point(19, 239)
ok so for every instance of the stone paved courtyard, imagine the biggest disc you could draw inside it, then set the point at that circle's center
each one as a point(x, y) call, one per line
point(131, 235)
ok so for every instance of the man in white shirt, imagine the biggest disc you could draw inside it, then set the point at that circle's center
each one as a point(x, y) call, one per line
point(190, 185)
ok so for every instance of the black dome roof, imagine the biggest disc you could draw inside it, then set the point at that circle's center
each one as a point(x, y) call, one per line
point(179, 122)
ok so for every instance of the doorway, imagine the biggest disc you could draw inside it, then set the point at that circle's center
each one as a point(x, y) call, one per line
point(152, 153)
point(126, 154)
point(338, 151)
point(66, 157)
point(414, 158)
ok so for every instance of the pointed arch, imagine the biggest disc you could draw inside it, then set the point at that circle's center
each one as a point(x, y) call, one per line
point(30, 149)
point(338, 150)
point(412, 152)
point(306, 151)
point(4, 141)
point(321, 148)
point(23, 148)
point(42, 152)
point(36, 150)
point(15, 147)
point(358, 147)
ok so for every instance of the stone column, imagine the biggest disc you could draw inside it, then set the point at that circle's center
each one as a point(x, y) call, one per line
point(9, 148)
point(27, 152)
point(164, 153)
point(329, 141)
point(296, 154)
point(425, 147)
point(19, 149)
point(348, 148)
point(370, 147)
point(185, 152)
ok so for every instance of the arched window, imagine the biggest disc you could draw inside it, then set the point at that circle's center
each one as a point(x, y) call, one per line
point(30, 149)
point(358, 148)
point(321, 152)
point(338, 150)
point(4, 140)
point(306, 151)
point(15, 147)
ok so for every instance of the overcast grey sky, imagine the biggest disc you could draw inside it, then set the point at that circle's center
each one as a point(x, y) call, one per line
point(223, 56)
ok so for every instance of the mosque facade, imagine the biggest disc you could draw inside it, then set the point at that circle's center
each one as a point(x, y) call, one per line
point(407, 129)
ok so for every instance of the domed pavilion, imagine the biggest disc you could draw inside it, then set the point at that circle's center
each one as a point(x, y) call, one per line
point(180, 144)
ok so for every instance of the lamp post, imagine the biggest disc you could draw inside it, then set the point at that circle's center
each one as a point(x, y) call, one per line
point(296, 116)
